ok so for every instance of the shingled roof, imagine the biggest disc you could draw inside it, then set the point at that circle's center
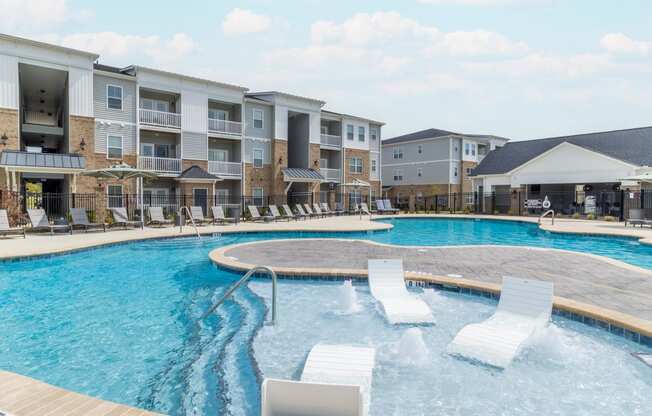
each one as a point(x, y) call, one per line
point(632, 146)
point(418, 135)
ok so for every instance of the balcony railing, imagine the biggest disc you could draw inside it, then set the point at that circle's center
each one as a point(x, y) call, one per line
point(330, 140)
point(160, 118)
point(159, 164)
point(331, 175)
point(225, 168)
point(224, 126)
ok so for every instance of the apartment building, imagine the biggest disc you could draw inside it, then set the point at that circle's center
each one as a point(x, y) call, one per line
point(433, 162)
point(62, 112)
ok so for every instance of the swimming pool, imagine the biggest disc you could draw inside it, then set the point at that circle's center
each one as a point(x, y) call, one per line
point(121, 323)
point(455, 232)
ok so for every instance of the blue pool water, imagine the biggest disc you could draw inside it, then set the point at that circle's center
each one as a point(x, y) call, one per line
point(445, 232)
point(121, 323)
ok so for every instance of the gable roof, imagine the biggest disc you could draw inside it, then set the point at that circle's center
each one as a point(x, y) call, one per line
point(195, 172)
point(632, 146)
point(418, 135)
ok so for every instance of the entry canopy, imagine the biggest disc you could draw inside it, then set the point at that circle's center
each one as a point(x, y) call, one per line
point(643, 177)
point(302, 175)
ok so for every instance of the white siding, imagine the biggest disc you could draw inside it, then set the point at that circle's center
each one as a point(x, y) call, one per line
point(355, 143)
point(194, 112)
point(315, 127)
point(9, 82)
point(252, 143)
point(128, 112)
point(195, 145)
point(80, 92)
point(128, 133)
point(280, 122)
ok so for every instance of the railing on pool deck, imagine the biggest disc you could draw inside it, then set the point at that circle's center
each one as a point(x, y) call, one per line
point(244, 279)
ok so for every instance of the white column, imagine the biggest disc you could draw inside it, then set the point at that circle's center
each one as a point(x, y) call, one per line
point(14, 184)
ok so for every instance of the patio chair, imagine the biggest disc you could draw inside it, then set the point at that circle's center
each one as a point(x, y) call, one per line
point(276, 214)
point(326, 209)
point(156, 217)
point(5, 229)
point(637, 217)
point(339, 209)
point(198, 215)
point(80, 220)
point(524, 308)
point(292, 214)
point(255, 215)
point(387, 286)
point(318, 210)
point(219, 217)
point(310, 212)
point(336, 381)
point(39, 220)
point(364, 208)
point(303, 213)
point(121, 218)
point(387, 205)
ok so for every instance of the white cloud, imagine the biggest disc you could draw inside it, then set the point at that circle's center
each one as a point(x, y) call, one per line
point(431, 83)
point(28, 15)
point(487, 2)
point(116, 46)
point(571, 66)
point(239, 21)
point(619, 43)
point(476, 43)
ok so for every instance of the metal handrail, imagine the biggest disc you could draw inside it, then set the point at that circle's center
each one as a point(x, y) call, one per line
point(550, 211)
point(192, 220)
point(243, 280)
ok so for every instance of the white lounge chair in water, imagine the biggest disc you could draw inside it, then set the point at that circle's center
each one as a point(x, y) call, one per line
point(387, 284)
point(525, 306)
point(336, 381)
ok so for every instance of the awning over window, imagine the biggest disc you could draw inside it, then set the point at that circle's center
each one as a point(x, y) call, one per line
point(302, 175)
point(42, 162)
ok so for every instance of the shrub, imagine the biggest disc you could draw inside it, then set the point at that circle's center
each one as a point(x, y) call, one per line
point(510, 212)
point(609, 218)
point(576, 215)
point(467, 210)
point(496, 212)
point(590, 217)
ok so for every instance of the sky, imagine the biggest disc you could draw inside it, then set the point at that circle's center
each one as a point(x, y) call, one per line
point(521, 69)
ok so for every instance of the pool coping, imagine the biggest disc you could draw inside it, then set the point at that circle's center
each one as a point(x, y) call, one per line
point(628, 326)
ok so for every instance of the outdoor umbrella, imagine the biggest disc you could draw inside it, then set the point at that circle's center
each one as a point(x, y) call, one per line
point(124, 171)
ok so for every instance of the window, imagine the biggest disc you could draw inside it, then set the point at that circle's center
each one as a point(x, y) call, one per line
point(355, 199)
point(419, 149)
point(114, 147)
point(258, 158)
point(355, 165)
point(467, 149)
point(114, 97)
point(374, 162)
point(468, 198)
point(398, 175)
point(419, 172)
point(349, 132)
point(214, 114)
point(218, 155)
point(147, 149)
point(468, 171)
point(200, 198)
point(473, 150)
point(257, 195)
point(156, 197)
point(361, 134)
point(221, 196)
point(373, 132)
point(455, 172)
point(258, 118)
point(323, 163)
point(398, 152)
point(156, 105)
point(114, 193)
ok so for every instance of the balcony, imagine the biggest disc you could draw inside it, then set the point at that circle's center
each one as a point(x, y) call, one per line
point(331, 141)
point(224, 126)
point(162, 165)
point(232, 169)
point(160, 118)
point(331, 175)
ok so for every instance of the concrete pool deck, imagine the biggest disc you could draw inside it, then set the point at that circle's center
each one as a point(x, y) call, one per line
point(607, 289)
point(40, 244)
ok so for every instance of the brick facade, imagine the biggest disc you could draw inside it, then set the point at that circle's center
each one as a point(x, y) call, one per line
point(259, 178)
point(364, 155)
point(9, 127)
point(276, 184)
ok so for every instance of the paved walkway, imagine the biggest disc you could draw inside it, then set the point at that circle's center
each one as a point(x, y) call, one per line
point(584, 278)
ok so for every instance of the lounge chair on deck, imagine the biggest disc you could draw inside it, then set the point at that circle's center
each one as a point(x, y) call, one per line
point(80, 220)
point(326, 209)
point(524, 307)
point(255, 215)
point(336, 381)
point(6, 229)
point(292, 214)
point(317, 210)
point(39, 220)
point(637, 217)
point(219, 217)
point(364, 208)
point(198, 215)
point(387, 285)
point(387, 206)
point(276, 214)
point(121, 218)
point(310, 212)
point(303, 213)
point(156, 217)
point(339, 209)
